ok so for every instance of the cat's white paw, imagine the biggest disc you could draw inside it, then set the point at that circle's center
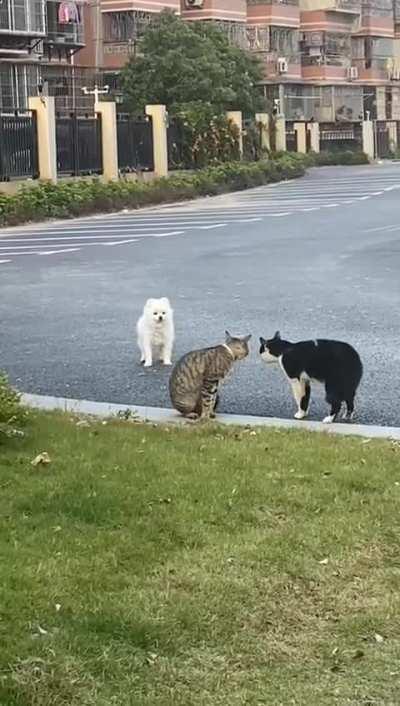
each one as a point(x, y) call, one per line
point(167, 362)
point(147, 363)
point(329, 419)
point(300, 414)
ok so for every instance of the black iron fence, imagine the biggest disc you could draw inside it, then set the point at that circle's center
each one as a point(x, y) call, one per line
point(291, 137)
point(176, 142)
point(135, 143)
point(337, 136)
point(383, 146)
point(18, 147)
point(78, 140)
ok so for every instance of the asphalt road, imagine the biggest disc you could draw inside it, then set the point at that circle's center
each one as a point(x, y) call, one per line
point(318, 257)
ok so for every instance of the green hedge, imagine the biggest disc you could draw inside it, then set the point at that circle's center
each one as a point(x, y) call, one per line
point(83, 197)
point(329, 159)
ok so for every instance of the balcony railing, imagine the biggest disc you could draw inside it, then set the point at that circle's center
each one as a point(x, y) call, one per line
point(65, 26)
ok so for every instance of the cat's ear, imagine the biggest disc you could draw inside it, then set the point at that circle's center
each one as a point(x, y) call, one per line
point(247, 338)
point(277, 334)
point(228, 336)
point(262, 341)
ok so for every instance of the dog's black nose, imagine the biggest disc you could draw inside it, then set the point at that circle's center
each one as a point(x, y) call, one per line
point(160, 318)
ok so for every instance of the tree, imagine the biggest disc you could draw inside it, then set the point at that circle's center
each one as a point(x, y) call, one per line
point(185, 62)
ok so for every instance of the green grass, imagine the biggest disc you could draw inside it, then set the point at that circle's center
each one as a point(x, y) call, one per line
point(186, 567)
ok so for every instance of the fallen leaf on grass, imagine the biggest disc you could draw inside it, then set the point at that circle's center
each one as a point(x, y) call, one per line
point(378, 638)
point(151, 658)
point(41, 459)
point(324, 561)
point(41, 630)
point(58, 607)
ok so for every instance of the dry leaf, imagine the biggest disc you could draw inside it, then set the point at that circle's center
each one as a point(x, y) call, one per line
point(151, 658)
point(42, 458)
point(58, 607)
point(323, 561)
point(42, 631)
point(378, 637)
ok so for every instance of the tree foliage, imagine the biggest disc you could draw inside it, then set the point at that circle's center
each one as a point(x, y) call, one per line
point(184, 62)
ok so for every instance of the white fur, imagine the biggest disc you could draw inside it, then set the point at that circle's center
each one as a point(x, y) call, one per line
point(155, 330)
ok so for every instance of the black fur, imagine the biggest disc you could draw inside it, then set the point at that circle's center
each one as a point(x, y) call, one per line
point(335, 364)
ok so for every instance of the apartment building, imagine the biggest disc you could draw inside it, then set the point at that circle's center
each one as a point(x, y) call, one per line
point(38, 42)
point(323, 59)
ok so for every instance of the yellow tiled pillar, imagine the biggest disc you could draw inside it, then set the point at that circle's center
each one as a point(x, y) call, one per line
point(46, 134)
point(108, 113)
point(235, 117)
point(262, 120)
point(300, 130)
point(158, 114)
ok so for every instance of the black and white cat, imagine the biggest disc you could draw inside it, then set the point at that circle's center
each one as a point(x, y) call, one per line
point(335, 364)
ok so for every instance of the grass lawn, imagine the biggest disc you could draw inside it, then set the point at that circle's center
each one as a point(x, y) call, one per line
point(198, 566)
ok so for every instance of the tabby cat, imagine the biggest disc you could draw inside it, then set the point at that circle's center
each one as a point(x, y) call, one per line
point(194, 381)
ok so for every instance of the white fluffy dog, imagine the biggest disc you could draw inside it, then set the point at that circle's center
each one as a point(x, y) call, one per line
point(155, 329)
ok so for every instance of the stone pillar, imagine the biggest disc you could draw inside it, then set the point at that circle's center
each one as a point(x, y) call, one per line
point(109, 143)
point(46, 134)
point(262, 120)
point(368, 138)
point(395, 103)
point(313, 129)
point(280, 133)
point(235, 117)
point(300, 130)
point(159, 116)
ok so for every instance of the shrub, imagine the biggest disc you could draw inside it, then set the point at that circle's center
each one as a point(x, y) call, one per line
point(12, 415)
point(337, 157)
point(84, 196)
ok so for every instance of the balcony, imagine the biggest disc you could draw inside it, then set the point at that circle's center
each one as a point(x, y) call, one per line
point(22, 18)
point(65, 27)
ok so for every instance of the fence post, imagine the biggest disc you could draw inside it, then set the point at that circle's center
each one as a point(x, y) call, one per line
point(368, 138)
point(313, 129)
point(46, 135)
point(109, 143)
point(280, 133)
point(300, 130)
point(235, 117)
point(158, 114)
point(263, 120)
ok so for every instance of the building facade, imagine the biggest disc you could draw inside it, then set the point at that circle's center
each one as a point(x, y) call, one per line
point(39, 41)
point(323, 59)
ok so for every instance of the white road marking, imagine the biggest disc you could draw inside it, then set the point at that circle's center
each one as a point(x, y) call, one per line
point(215, 225)
point(55, 252)
point(120, 242)
point(393, 227)
point(314, 208)
point(84, 237)
point(362, 198)
point(248, 220)
point(3, 262)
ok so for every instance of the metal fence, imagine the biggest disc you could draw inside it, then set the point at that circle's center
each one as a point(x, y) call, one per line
point(78, 141)
point(291, 138)
point(135, 143)
point(175, 137)
point(337, 136)
point(18, 147)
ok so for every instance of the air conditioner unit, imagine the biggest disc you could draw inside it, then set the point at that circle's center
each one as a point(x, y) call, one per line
point(282, 66)
point(189, 4)
point(352, 73)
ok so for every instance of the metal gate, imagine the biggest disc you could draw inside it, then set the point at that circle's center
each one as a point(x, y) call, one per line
point(382, 139)
point(135, 143)
point(18, 147)
point(78, 141)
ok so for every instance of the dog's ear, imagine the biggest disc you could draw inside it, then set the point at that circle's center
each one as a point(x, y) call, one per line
point(165, 302)
point(149, 303)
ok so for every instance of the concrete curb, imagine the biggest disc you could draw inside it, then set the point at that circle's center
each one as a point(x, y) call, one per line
point(169, 416)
